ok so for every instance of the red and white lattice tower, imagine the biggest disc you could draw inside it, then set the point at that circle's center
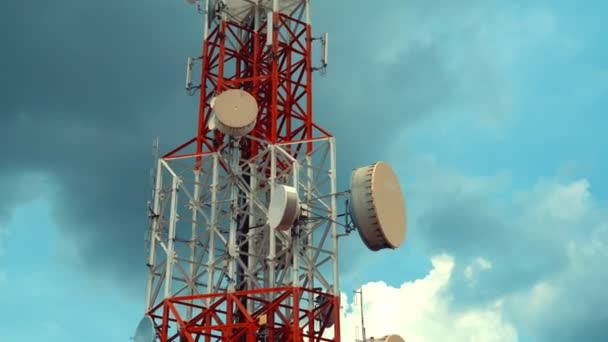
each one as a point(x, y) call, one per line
point(218, 270)
point(244, 226)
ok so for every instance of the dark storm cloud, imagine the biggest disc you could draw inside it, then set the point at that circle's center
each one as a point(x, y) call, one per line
point(396, 71)
point(574, 301)
point(75, 57)
point(85, 88)
point(545, 249)
point(18, 188)
point(88, 85)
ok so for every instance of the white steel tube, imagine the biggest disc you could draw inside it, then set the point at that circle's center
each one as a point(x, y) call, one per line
point(296, 239)
point(269, 28)
point(334, 227)
point(308, 16)
point(194, 237)
point(256, 16)
point(309, 225)
point(212, 227)
point(272, 234)
point(232, 247)
point(251, 260)
point(171, 238)
point(154, 228)
point(206, 24)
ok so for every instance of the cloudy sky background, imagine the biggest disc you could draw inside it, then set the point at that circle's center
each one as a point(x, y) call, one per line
point(491, 112)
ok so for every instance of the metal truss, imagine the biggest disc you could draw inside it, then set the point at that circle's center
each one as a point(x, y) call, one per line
point(275, 67)
point(214, 261)
point(210, 233)
point(224, 317)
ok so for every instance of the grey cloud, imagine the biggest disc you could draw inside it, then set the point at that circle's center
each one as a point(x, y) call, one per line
point(470, 227)
point(17, 189)
point(88, 85)
point(86, 88)
point(554, 235)
point(572, 304)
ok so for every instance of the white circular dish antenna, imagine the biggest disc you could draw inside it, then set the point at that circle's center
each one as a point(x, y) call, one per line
point(389, 338)
point(145, 331)
point(236, 112)
point(378, 207)
point(284, 207)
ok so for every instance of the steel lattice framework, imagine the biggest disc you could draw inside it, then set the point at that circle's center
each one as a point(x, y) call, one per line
point(218, 271)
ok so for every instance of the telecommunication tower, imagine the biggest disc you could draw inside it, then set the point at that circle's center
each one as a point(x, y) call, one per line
point(243, 241)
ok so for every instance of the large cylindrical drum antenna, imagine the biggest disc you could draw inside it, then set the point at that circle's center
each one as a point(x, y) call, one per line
point(378, 207)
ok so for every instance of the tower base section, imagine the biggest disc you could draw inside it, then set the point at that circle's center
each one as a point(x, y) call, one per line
point(273, 314)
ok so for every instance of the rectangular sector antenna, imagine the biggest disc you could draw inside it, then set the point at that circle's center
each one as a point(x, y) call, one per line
point(269, 28)
point(189, 73)
point(325, 48)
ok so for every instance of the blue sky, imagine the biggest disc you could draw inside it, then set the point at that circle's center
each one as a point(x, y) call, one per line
point(491, 112)
point(39, 286)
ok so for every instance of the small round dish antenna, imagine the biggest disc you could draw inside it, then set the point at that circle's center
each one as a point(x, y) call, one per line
point(377, 206)
point(145, 331)
point(284, 207)
point(235, 112)
point(390, 338)
point(326, 317)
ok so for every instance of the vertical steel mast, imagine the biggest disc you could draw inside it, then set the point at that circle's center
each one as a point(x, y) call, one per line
point(217, 269)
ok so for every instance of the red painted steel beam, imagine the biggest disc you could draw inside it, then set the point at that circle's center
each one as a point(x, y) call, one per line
point(286, 319)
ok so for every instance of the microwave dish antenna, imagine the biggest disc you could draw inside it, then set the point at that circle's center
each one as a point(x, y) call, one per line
point(235, 112)
point(377, 206)
point(388, 338)
point(284, 207)
point(145, 331)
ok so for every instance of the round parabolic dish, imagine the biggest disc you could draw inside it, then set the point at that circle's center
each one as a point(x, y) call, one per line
point(284, 207)
point(235, 112)
point(145, 331)
point(378, 207)
point(392, 338)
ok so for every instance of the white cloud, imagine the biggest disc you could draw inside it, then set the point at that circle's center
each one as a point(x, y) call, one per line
point(564, 303)
point(420, 311)
point(489, 33)
point(478, 265)
point(562, 204)
point(540, 252)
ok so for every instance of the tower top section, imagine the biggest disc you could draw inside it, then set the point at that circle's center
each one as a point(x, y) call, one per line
point(242, 11)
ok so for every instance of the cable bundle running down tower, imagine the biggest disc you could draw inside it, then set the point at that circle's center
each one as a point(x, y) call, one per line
point(244, 223)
